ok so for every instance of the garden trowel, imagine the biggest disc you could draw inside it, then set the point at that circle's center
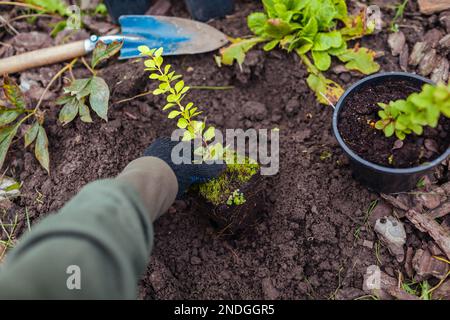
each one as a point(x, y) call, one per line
point(176, 35)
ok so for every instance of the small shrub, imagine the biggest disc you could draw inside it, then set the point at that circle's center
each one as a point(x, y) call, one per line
point(186, 115)
point(420, 109)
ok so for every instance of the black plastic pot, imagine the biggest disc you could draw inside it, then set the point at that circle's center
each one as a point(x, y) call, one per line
point(204, 10)
point(377, 177)
point(117, 8)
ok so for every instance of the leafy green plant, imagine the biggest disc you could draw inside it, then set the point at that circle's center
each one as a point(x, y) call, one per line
point(93, 89)
point(316, 30)
point(420, 109)
point(13, 115)
point(186, 115)
point(16, 116)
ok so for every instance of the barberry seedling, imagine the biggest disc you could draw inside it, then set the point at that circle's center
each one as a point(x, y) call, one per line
point(186, 115)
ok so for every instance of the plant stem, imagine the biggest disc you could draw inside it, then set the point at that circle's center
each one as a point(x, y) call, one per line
point(146, 93)
point(212, 87)
point(34, 15)
point(56, 76)
point(20, 4)
point(143, 94)
point(88, 66)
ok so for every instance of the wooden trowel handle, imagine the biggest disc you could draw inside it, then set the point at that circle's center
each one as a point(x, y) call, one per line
point(42, 57)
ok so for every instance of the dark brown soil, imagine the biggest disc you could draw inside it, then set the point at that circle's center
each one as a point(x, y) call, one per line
point(309, 245)
point(361, 109)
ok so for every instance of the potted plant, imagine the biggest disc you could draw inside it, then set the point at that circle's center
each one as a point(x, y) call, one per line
point(233, 200)
point(394, 127)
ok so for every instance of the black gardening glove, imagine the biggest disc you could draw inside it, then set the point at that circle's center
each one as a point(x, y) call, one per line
point(187, 174)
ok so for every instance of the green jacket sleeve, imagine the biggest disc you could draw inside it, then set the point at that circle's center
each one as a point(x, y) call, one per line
point(96, 247)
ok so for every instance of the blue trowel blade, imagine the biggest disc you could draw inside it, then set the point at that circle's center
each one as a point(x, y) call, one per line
point(175, 35)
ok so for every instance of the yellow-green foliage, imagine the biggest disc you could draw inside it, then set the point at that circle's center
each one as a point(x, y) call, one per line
point(236, 198)
point(219, 190)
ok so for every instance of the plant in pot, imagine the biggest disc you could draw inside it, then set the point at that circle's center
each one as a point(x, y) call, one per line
point(233, 200)
point(395, 128)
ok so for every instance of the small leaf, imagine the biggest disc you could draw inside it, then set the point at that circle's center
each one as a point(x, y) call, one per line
point(41, 149)
point(361, 59)
point(31, 134)
point(271, 45)
point(77, 86)
point(9, 115)
point(188, 136)
point(389, 129)
point(322, 60)
point(104, 51)
point(150, 63)
point(6, 136)
point(69, 111)
point(99, 97)
point(179, 86)
point(85, 114)
point(237, 50)
point(168, 106)
point(144, 50)
point(326, 40)
point(257, 22)
point(209, 134)
point(63, 99)
point(400, 134)
point(158, 53)
point(327, 91)
point(13, 93)
point(58, 27)
point(182, 123)
point(379, 125)
point(157, 92)
point(173, 114)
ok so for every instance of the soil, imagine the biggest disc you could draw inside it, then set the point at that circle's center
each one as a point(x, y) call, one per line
point(314, 242)
point(371, 144)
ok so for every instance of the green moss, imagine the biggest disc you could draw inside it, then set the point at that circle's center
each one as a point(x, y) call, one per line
point(219, 190)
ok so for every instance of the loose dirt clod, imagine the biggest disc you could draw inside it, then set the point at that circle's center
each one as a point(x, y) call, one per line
point(396, 41)
point(418, 52)
point(441, 71)
point(428, 63)
point(432, 6)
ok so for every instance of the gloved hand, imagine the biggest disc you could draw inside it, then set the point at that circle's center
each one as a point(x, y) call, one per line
point(187, 174)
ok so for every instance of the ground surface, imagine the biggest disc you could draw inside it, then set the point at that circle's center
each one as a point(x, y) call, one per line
point(310, 245)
